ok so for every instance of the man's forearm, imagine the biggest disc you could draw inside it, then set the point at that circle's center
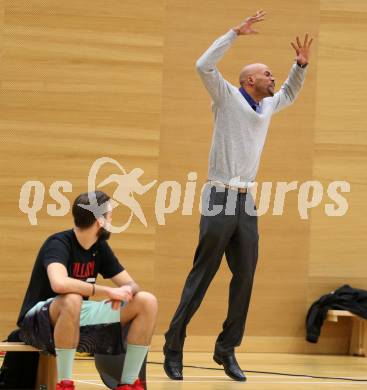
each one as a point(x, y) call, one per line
point(75, 286)
point(290, 88)
point(216, 51)
point(294, 82)
point(208, 72)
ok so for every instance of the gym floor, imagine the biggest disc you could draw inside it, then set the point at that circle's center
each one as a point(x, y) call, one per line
point(347, 367)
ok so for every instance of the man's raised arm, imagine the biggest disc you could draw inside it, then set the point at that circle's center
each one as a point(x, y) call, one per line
point(292, 86)
point(214, 82)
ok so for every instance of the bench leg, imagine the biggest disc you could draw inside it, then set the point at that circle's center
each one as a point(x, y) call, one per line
point(46, 373)
point(358, 337)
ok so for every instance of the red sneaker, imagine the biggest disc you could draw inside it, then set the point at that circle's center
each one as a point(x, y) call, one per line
point(137, 385)
point(65, 385)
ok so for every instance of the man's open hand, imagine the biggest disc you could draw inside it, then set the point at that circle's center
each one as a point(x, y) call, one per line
point(245, 27)
point(302, 50)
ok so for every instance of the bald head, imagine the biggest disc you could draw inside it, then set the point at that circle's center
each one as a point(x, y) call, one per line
point(258, 80)
point(252, 70)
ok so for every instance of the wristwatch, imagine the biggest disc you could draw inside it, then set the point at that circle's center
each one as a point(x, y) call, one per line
point(302, 66)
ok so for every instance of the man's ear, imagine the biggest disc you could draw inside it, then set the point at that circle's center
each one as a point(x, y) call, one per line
point(250, 80)
point(100, 222)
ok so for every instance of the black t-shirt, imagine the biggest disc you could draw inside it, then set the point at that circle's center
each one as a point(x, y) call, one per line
point(80, 263)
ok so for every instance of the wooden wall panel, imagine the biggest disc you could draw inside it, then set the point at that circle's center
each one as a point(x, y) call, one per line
point(79, 81)
point(338, 246)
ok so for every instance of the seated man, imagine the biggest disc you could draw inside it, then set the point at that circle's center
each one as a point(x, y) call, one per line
point(56, 314)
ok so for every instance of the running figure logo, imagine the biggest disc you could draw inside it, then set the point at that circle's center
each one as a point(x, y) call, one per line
point(128, 184)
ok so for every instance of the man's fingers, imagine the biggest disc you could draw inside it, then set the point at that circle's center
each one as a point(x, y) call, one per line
point(298, 42)
point(256, 21)
point(309, 43)
point(128, 297)
point(259, 14)
point(305, 41)
point(294, 47)
point(116, 305)
point(256, 18)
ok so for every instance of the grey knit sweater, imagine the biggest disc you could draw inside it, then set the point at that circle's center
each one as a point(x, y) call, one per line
point(239, 132)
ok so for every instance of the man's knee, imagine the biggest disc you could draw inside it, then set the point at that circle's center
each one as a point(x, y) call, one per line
point(147, 302)
point(71, 304)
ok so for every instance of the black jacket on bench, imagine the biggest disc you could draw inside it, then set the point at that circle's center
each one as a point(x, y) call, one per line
point(344, 298)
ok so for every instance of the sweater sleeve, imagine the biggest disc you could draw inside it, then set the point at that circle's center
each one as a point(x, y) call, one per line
point(290, 89)
point(214, 82)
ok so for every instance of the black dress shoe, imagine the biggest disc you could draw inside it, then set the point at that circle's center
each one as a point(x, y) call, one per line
point(173, 369)
point(231, 367)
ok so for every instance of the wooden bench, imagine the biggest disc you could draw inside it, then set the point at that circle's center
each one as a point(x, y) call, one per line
point(46, 373)
point(358, 339)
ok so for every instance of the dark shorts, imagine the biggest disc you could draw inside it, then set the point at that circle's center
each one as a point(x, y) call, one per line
point(106, 339)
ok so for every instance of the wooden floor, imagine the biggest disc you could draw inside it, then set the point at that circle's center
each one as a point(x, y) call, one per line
point(86, 376)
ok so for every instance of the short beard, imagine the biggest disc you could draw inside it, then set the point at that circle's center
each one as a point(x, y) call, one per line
point(103, 234)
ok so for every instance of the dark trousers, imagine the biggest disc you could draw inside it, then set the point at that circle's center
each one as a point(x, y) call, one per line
point(232, 231)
